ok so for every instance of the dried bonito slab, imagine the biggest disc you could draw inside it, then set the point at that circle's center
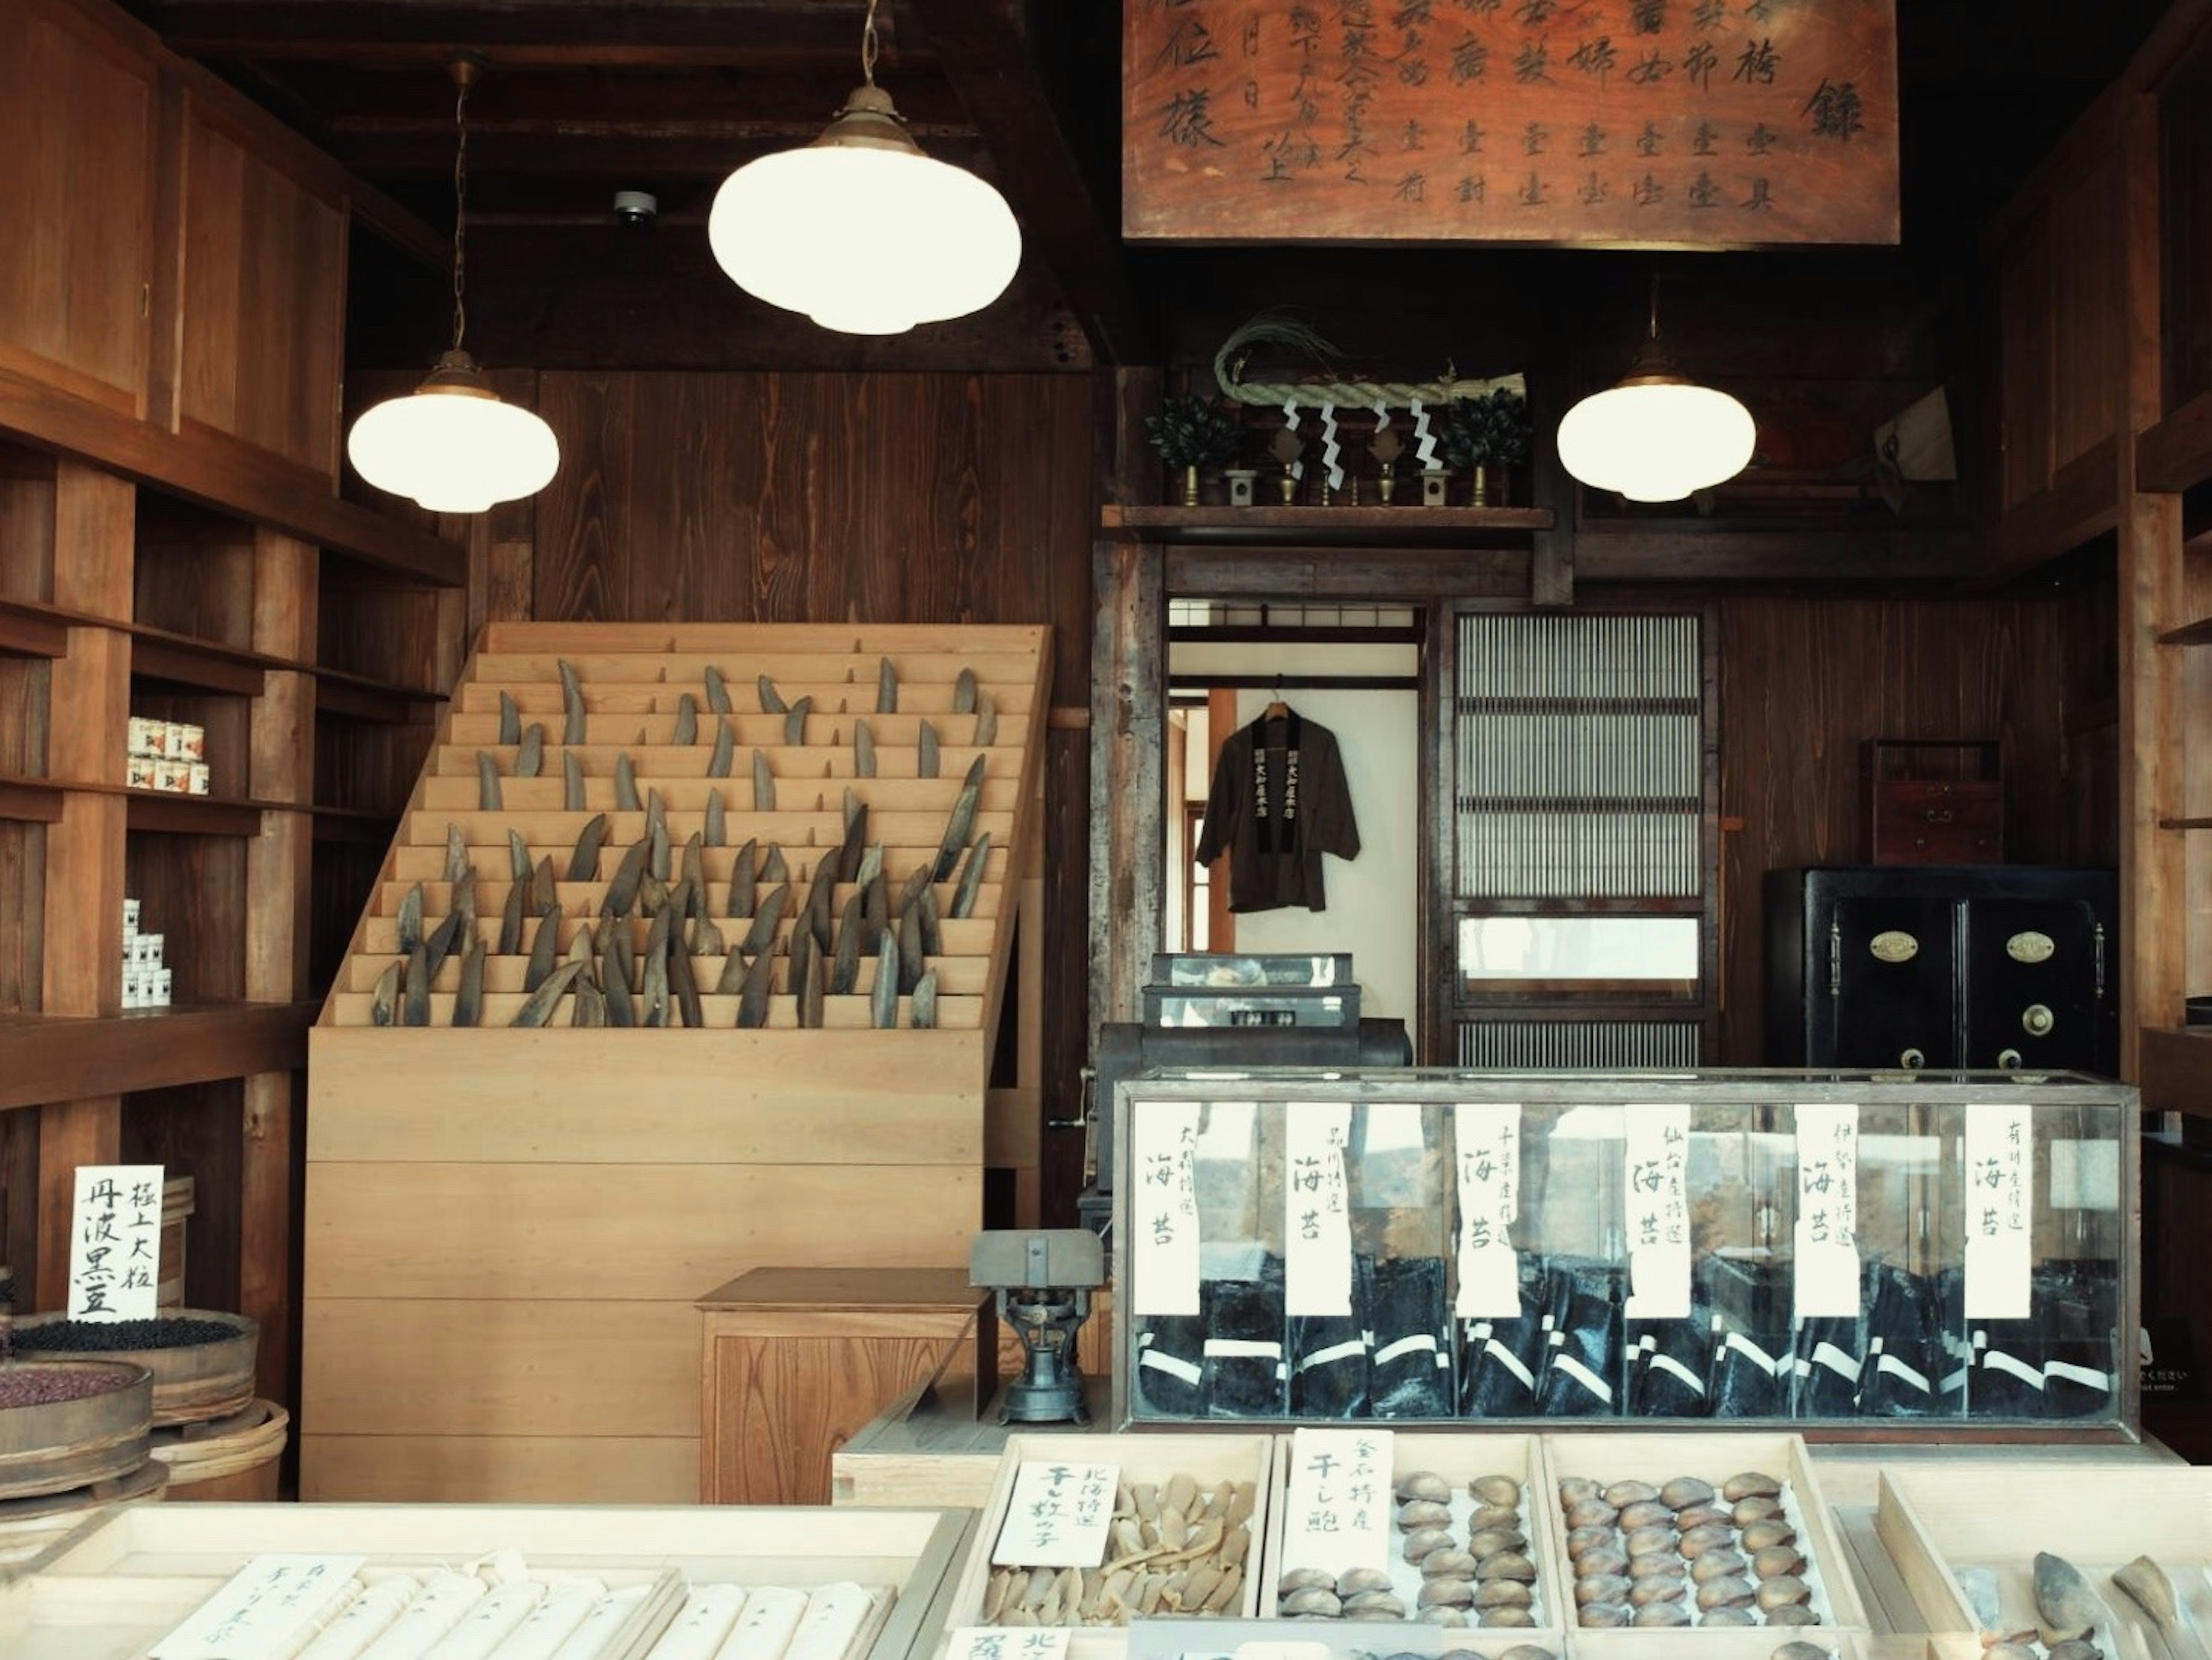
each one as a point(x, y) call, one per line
point(1178, 1546)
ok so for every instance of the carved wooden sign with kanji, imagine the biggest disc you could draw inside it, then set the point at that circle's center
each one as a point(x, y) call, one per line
point(1683, 122)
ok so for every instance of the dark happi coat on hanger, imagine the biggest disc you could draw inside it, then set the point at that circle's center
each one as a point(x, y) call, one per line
point(1278, 802)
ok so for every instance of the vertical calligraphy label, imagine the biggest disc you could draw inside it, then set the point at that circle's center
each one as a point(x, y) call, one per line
point(1827, 1232)
point(1338, 1500)
point(115, 1242)
point(1656, 1198)
point(1486, 1148)
point(1164, 1207)
point(264, 1609)
point(2000, 1156)
point(1317, 1209)
point(1057, 1516)
point(984, 1642)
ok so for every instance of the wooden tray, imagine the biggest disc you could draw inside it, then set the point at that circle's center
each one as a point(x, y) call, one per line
point(1998, 1515)
point(1459, 1457)
point(1657, 1458)
point(1206, 1458)
point(108, 1594)
point(1722, 1643)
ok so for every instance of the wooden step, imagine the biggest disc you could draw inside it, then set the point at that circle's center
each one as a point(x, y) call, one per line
point(581, 899)
point(456, 793)
point(579, 640)
point(963, 937)
point(654, 764)
point(961, 976)
point(687, 670)
point(792, 825)
point(848, 1014)
point(543, 701)
point(412, 863)
point(826, 730)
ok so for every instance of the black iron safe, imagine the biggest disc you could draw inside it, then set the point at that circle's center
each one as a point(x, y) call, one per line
point(1979, 966)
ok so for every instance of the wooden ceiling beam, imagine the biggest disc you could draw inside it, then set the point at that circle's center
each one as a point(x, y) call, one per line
point(608, 153)
point(690, 33)
point(983, 50)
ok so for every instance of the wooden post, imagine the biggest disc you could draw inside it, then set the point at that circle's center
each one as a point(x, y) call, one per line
point(1129, 717)
point(2154, 872)
point(94, 518)
point(286, 587)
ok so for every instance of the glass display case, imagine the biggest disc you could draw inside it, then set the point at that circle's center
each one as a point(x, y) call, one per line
point(1881, 1253)
point(1199, 989)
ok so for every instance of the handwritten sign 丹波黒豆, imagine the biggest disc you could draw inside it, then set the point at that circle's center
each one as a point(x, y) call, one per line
point(1719, 123)
point(1057, 1516)
point(115, 1242)
point(1338, 1500)
point(1655, 1181)
point(1826, 1272)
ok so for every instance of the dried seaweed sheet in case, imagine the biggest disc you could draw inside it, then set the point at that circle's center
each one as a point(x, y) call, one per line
point(1828, 1360)
point(1243, 1372)
point(1905, 1355)
point(1669, 1366)
point(1329, 1357)
point(1410, 1314)
point(1582, 1351)
point(2070, 1324)
point(1500, 1360)
point(1753, 1353)
point(1171, 1360)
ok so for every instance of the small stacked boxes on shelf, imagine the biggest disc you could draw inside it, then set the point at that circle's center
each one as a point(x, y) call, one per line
point(169, 756)
point(146, 976)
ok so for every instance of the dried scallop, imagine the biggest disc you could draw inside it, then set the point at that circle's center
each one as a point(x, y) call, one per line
point(1796, 1613)
point(1312, 1601)
point(1712, 1536)
point(1580, 1539)
point(1449, 1564)
point(1494, 1516)
point(1647, 1542)
point(1772, 1531)
point(1751, 1484)
point(1601, 1588)
point(1425, 1484)
point(1782, 1591)
point(1801, 1650)
point(1730, 1592)
point(1513, 1618)
point(1422, 1541)
point(1645, 1513)
point(1603, 1616)
point(1698, 1516)
point(1354, 1582)
point(1684, 1491)
point(1645, 1592)
point(1656, 1566)
point(1660, 1614)
point(1574, 1489)
point(1491, 1540)
point(1718, 1564)
point(1748, 1510)
point(1507, 1565)
point(1728, 1617)
point(1498, 1490)
point(1777, 1559)
point(1604, 1559)
point(1417, 1513)
point(1504, 1594)
point(1441, 1613)
point(1447, 1593)
point(1298, 1579)
point(1621, 1494)
point(1592, 1513)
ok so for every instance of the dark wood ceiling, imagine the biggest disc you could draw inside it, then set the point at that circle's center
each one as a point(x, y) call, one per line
point(585, 97)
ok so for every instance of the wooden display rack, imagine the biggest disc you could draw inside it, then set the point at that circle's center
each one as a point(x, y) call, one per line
point(506, 1229)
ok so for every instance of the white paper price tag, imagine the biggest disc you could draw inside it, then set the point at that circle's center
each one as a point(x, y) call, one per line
point(1658, 1189)
point(1486, 1150)
point(1827, 1238)
point(115, 1242)
point(2000, 1160)
point(1057, 1516)
point(1317, 1209)
point(1164, 1208)
point(985, 1643)
point(267, 1605)
point(1337, 1513)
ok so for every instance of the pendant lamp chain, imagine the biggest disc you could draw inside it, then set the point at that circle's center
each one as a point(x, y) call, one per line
point(868, 46)
point(464, 74)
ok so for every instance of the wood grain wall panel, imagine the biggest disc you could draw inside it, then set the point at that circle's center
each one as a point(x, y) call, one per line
point(2024, 348)
point(22, 889)
point(77, 108)
point(191, 889)
point(2185, 210)
point(194, 1131)
point(529, 1470)
point(1803, 683)
point(2088, 314)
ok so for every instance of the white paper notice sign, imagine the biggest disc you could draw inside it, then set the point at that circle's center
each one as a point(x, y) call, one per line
point(1827, 1232)
point(1164, 1209)
point(115, 1242)
point(1058, 1516)
point(1317, 1209)
point(266, 1605)
point(1486, 1143)
point(984, 1642)
point(1657, 1139)
point(1338, 1514)
point(2000, 1156)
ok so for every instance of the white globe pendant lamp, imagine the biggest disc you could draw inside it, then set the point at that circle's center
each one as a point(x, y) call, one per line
point(860, 230)
point(453, 445)
point(1656, 435)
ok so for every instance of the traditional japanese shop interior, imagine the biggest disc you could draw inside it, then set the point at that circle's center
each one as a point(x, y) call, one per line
point(955, 829)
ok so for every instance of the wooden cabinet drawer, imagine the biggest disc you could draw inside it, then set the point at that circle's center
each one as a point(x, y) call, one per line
point(1938, 822)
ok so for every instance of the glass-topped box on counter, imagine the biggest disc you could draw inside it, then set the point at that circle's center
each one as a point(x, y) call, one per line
point(1203, 988)
point(1886, 1253)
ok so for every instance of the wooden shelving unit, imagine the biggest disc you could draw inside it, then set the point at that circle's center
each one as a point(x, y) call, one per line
point(1279, 527)
point(458, 1224)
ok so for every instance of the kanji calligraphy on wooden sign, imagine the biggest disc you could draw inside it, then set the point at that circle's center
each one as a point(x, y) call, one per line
point(1827, 1235)
point(1656, 1179)
point(1684, 123)
point(1486, 1153)
point(115, 1242)
point(1998, 1191)
point(1316, 1210)
point(1164, 1209)
point(1057, 1516)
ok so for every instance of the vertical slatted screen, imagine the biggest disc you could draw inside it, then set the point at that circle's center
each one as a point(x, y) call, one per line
point(1577, 1043)
point(1578, 770)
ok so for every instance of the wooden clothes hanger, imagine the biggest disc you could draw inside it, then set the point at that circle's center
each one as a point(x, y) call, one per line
point(1278, 709)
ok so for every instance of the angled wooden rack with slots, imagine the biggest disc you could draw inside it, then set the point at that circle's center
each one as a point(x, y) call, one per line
point(505, 1226)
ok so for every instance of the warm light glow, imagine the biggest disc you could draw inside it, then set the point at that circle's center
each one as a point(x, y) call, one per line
point(453, 450)
point(1657, 439)
point(865, 239)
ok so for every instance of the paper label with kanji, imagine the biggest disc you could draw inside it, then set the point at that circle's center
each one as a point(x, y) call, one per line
point(1657, 1140)
point(115, 1242)
point(1164, 1207)
point(988, 1643)
point(1058, 1516)
point(1337, 1514)
point(264, 1609)
point(1317, 1209)
point(1486, 1153)
point(1999, 1166)
point(1827, 1238)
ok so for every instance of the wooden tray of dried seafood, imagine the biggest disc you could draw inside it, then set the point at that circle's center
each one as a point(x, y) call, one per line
point(1703, 1534)
point(1473, 1552)
point(700, 1584)
point(1205, 1491)
point(2042, 1561)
